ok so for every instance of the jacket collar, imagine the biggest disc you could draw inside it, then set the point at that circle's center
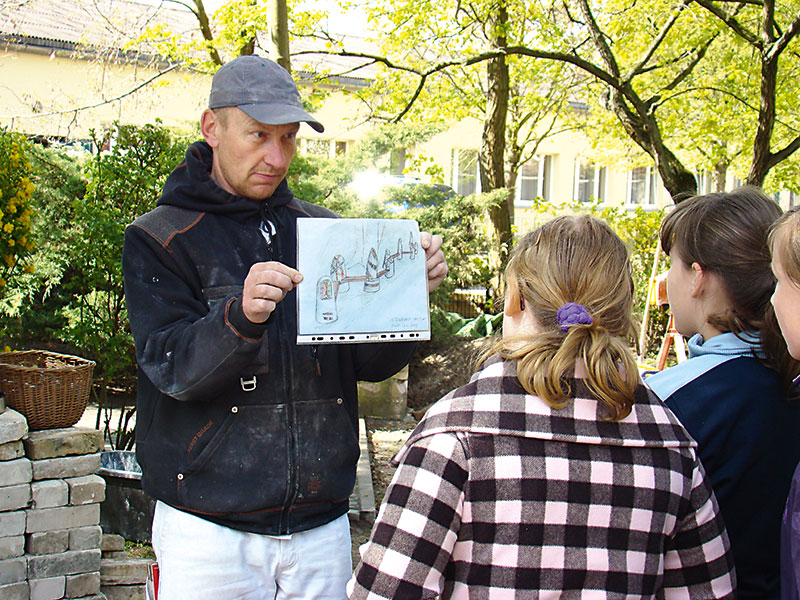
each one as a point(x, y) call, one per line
point(495, 403)
point(703, 357)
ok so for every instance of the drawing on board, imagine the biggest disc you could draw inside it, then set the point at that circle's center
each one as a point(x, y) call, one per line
point(354, 295)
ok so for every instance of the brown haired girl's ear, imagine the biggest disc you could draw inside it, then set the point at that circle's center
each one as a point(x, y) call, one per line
point(698, 280)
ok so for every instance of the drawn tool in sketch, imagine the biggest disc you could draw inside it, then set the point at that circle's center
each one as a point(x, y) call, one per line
point(329, 287)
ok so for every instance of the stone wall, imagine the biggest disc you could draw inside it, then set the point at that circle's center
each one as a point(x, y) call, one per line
point(386, 398)
point(50, 535)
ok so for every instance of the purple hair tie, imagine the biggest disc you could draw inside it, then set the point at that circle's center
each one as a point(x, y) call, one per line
point(573, 313)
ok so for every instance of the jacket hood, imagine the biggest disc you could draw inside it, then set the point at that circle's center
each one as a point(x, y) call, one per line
point(190, 186)
point(495, 403)
point(726, 344)
point(703, 357)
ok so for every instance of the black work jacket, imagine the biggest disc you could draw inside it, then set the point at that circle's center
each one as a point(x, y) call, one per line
point(236, 423)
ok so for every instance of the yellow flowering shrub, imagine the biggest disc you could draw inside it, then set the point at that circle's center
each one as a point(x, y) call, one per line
point(15, 205)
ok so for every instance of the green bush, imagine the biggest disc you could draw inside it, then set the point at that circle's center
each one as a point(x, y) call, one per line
point(74, 299)
point(16, 208)
point(459, 220)
point(32, 309)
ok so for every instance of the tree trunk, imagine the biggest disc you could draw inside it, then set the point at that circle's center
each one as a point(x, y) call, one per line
point(492, 154)
point(205, 29)
point(279, 33)
point(720, 175)
point(762, 156)
point(643, 129)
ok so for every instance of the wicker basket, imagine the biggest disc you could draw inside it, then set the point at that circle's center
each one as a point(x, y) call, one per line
point(50, 389)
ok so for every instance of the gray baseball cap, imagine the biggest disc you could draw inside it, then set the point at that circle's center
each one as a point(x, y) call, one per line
point(262, 89)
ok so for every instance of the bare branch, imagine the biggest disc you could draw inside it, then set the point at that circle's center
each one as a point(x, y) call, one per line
point(784, 153)
point(133, 90)
point(699, 53)
point(732, 23)
point(599, 39)
point(724, 92)
point(637, 69)
point(205, 29)
point(782, 42)
point(423, 75)
point(372, 58)
point(184, 4)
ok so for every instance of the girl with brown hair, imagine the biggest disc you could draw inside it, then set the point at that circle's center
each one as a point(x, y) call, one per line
point(554, 472)
point(732, 393)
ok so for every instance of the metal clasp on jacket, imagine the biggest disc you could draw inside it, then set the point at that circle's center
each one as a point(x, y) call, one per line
point(248, 385)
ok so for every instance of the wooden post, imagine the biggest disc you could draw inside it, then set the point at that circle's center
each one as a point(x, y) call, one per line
point(646, 316)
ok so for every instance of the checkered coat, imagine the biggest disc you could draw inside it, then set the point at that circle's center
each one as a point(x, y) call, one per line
point(497, 496)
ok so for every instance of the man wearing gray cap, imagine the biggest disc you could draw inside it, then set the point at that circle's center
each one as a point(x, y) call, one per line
point(247, 441)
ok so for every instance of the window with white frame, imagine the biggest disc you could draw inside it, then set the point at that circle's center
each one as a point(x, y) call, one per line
point(317, 147)
point(705, 182)
point(534, 180)
point(324, 148)
point(465, 172)
point(590, 181)
point(642, 186)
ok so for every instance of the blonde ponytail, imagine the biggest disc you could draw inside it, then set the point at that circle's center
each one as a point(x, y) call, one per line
point(575, 260)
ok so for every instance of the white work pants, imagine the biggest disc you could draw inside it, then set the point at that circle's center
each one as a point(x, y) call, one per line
point(199, 560)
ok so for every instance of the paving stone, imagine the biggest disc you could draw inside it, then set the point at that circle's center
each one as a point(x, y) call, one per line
point(85, 538)
point(49, 493)
point(14, 472)
point(65, 517)
point(124, 592)
point(51, 588)
point(85, 584)
point(112, 543)
point(86, 490)
point(12, 570)
point(13, 426)
point(11, 547)
point(69, 441)
point(68, 466)
point(12, 523)
point(12, 450)
point(15, 591)
point(48, 542)
point(66, 563)
point(124, 571)
point(13, 497)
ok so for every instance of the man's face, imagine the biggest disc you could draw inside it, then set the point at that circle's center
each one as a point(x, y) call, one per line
point(250, 158)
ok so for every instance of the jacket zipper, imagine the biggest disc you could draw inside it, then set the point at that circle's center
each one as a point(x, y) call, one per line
point(292, 483)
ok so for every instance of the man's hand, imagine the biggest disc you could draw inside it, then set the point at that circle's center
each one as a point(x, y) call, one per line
point(434, 259)
point(266, 284)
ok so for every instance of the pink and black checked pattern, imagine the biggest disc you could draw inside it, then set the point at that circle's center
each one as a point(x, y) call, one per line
point(499, 496)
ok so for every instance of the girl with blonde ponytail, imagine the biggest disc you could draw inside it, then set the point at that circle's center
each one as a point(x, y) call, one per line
point(568, 305)
point(554, 471)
